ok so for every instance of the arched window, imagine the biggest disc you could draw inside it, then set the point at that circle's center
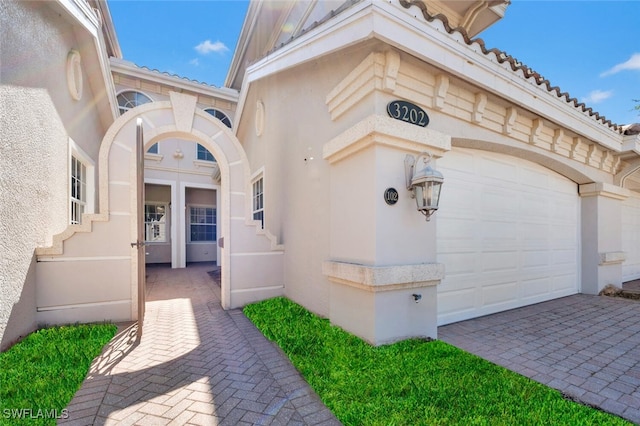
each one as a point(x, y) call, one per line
point(131, 99)
point(203, 153)
point(220, 116)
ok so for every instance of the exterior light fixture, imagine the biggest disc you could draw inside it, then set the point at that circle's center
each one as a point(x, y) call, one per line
point(424, 183)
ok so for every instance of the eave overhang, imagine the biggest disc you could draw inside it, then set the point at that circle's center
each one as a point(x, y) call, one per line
point(432, 43)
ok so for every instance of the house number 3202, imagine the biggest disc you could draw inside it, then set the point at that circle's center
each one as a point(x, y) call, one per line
point(406, 111)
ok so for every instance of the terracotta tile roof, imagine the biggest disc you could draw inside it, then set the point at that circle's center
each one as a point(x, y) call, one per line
point(515, 65)
point(189, 80)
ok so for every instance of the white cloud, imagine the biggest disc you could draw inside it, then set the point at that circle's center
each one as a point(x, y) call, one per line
point(195, 62)
point(597, 96)
point(207, 47)
point(632, 64)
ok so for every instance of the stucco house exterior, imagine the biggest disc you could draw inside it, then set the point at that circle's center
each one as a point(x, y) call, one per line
point(282, 177)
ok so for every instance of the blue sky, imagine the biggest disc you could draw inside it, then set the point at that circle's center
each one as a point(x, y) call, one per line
point(590, 49)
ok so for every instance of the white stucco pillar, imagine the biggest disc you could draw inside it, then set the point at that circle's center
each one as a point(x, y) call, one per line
point(601, 229)
point(382, 265)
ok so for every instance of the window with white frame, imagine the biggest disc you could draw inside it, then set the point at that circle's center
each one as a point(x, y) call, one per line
point(202, 224)
point(78, 190)
point(155, 223)
point(131, 99)
point(81, 183)
point(258, 200)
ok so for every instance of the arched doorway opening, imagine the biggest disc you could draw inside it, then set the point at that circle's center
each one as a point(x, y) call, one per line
point(249, 257)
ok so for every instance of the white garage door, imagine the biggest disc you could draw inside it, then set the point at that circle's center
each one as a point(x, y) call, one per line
point(508, 234)
point(631, 238)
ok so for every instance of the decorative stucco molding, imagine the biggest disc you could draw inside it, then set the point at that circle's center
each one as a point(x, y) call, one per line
point(378, 71)
point(478, 107)
point(613, 257)
point(381, 130)
point(391, 68)
point(601, 189)
point(184, 107)
point(259, 118)
point(384, 278)
point(441, 88)
point(536, 130)
point(74, 74)
point(510, 120)
point(460, 31)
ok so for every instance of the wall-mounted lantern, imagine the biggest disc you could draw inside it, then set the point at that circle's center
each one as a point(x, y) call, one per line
point(424, 183)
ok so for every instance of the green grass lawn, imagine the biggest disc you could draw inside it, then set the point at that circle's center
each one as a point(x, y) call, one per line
point(412, 382)
point(40, 374)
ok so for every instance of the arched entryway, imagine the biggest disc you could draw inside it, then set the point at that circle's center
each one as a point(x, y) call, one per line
point(251, 260)
point(95, 277)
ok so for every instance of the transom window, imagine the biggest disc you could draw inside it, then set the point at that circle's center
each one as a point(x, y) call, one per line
point(155, 223)
point(131, 99)
point(78, 190)
point(202, 224)
point(258, 201)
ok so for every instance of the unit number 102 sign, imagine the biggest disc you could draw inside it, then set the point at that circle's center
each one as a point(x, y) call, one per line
point(406, 111)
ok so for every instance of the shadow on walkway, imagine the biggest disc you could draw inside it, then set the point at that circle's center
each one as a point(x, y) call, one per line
point(195, 364)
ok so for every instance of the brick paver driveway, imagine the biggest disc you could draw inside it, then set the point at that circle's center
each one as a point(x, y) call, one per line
point(585, 346)
point(195, 364)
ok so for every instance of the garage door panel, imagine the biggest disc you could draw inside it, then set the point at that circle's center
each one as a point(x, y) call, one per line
point(459, 263)
point(530, 178)
point(458, 228)
point(563, 285)
point(499, 261)
point(535, 258)
point(566, 257)
point(464, 200)
point(457, 301)
point(498, 204)
point(514, 245)
point(535, 287)
point(493, 168)
point(533, 207)
point(495, 231)
point(500, 293)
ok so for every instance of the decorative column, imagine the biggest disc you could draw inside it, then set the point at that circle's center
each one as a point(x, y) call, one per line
point(602, 254)
point(382, 267)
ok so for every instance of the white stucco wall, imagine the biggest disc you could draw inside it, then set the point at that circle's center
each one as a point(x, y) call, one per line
point(297, 192)
point(37, 117)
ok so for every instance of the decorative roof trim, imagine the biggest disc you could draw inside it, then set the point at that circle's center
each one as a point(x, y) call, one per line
point(128, 68)
point(513, 62)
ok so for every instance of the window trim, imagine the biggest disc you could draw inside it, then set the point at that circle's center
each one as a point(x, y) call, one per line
point(214, 224)
point(258, 176)
point(75, 151)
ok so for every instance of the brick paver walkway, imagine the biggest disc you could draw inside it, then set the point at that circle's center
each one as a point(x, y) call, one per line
point(195, 364)
point(585, 346)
